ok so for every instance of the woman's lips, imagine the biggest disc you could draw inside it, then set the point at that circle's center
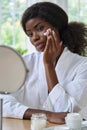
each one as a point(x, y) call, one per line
point(40, 46)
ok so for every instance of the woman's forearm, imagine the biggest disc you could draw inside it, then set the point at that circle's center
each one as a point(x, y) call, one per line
point(53, 117)
point(28, 113)
point(51, 76)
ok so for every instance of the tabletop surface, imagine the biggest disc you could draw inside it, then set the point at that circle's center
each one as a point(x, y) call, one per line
point(18, 124)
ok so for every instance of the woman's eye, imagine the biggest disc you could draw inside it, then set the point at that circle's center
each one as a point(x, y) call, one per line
point(41, 28)
point(29, 34)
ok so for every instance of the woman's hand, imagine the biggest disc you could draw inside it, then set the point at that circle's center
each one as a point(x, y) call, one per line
point(53, 48)
point(58, 118)
point(52, 53)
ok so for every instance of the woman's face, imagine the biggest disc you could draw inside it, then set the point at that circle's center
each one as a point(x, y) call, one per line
point(35, 29)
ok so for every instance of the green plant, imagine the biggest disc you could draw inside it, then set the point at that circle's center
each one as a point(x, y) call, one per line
point(21, 51)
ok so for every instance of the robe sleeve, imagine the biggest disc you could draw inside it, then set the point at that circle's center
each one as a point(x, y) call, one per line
point(12, 108)
point(70, 96)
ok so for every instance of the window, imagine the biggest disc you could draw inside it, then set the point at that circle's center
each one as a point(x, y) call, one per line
point(10, 29)
point(77, 10)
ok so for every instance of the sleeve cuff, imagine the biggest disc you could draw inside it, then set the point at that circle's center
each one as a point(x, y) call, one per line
point(20, 113)
point(56, 93)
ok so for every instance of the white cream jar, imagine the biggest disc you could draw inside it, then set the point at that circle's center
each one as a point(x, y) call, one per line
point(38, 121)
point(73, 121)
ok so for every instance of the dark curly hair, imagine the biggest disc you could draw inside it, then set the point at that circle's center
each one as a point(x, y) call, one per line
point(73, 34)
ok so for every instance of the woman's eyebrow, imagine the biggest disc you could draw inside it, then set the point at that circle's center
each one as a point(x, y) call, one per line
point(35, 26)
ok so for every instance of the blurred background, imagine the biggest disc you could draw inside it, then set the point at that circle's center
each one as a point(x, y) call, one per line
point(11, 32)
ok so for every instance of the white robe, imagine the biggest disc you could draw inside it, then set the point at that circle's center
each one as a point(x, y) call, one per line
point(70, 94)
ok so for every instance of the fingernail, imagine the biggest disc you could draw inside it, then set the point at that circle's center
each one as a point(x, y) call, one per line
point(61, 42)
point(47, 32)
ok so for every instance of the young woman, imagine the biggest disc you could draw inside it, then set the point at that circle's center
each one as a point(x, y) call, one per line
point(57, 79)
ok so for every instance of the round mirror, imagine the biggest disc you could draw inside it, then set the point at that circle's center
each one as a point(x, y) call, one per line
point(13, 70)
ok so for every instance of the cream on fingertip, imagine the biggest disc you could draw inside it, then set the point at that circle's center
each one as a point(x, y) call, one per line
point(47, 32)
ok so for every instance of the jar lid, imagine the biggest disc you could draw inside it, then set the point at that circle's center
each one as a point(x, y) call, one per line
point(38, 115)
point(73, 116)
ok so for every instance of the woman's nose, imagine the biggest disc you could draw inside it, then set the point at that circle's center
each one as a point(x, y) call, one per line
point(36, 37)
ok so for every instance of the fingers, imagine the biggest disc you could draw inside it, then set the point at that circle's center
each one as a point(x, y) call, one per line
point(50, 38)
point(58, 118)
point(53, 45)
point(48, 32)
point(57, 39)
point(53, 37)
